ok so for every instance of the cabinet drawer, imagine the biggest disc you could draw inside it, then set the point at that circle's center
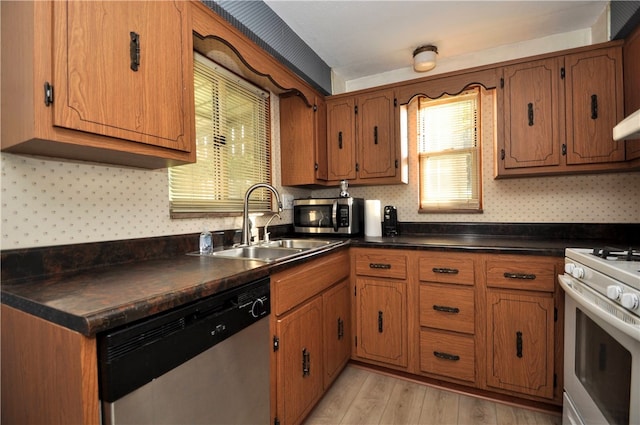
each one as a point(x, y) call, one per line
point(524, 274)
point(447, 354)
point(381, 265)
point(291, 287)
point(447, 307)
point(446, 269)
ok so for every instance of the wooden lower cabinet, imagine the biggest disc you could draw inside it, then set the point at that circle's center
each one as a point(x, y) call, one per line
point(381, 321)
point(311, 328)
point(299, 361)
point(448, 354)
point(337, 330)
point(520, 342)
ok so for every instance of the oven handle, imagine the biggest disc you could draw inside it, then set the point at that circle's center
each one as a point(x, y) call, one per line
point(568, 284)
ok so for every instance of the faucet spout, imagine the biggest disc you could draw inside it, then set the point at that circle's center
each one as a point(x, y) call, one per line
point(246, 235)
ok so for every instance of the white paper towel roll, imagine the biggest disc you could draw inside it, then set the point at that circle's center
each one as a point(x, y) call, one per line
point(372, 218)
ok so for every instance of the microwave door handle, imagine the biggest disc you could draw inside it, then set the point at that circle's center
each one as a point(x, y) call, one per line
point(334, 215)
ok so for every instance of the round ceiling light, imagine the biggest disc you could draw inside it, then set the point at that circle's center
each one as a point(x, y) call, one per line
point(424, 58)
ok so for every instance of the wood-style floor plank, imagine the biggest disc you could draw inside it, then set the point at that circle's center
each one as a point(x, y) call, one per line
point(364, 397)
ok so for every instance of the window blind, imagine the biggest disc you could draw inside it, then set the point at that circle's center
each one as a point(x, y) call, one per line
point(232, 143)
point(448, 152)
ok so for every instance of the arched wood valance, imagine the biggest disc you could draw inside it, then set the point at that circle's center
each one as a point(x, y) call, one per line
point(226, 45)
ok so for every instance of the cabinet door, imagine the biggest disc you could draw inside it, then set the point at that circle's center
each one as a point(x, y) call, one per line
point(97, 89)
point(382, 321)
point(520, 342)
point(341, 142)
point(337, 330)
point(533, 112)
point(595, 104)
point(299, 362)
point(303, 149)
point(376, 135)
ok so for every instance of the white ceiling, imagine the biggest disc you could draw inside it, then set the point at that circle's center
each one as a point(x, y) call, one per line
point(363, 38)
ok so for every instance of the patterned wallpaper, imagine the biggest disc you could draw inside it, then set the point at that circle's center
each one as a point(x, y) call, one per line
point(48, 202)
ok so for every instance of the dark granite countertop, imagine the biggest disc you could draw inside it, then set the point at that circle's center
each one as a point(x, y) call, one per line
point(91, 288)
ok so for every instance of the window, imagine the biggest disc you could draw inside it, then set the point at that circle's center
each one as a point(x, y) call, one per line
point(232, 143)
point(449, 154)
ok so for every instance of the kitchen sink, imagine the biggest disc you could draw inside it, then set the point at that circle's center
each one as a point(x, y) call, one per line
point(271, 251)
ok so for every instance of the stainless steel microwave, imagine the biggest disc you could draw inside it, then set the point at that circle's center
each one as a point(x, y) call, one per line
point(339, 216)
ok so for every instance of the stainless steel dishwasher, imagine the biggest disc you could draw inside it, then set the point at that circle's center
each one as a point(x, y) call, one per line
point(204, 363)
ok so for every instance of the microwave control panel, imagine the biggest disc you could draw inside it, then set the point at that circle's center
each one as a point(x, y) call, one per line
point(343, 216)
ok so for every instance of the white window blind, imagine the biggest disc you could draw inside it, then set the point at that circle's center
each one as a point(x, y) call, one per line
point(233, 145)
point(448, 149)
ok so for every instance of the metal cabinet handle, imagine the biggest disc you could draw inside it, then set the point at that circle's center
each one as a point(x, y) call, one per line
point(446, 356)
point(444, 270)
point(525, 276)
point(594, 106)
point(375, 135)
point(445, 309)
point(134, 50)
point(380, 328)
point(379, 266)
point(530, 113)
point(340, 140)
point(306, 363)
point(519, 344)
point(340, 328)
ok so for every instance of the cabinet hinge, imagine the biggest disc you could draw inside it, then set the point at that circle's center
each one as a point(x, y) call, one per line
point(355, 109)
point(315, 108)
point(501, 82)
point(357, 167)
point(564, 149)
point(48, 94)
point(276, 421)
point(276, 343)
point(502, 154)
point(396, 163)
point(555, 380)
point(562, 73)
point(315, 166)
point(555, 314)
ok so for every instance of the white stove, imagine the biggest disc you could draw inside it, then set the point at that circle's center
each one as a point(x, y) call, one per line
point(602, 336)
point(612, 272)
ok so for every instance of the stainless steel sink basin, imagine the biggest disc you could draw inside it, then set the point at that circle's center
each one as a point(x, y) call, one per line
point(271, 251)
point(299, 243)
point(260, 253)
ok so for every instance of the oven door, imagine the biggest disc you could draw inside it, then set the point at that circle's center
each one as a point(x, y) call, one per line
point(601, 359)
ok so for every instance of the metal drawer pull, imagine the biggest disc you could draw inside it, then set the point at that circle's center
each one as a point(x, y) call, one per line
point(444, 270)
point(340, 328)
point(527, 276)
point(446, 356)
point(379, 266)
point(380, 322)
point(519, 344)
point(446, 309)
point(530, 113)
point(306, 364)
point(134, 50)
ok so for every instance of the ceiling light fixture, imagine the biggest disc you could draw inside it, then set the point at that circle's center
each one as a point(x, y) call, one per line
point(424, 58)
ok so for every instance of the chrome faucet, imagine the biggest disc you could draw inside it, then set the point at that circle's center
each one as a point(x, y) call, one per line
point(246, 233)
point(266, 226)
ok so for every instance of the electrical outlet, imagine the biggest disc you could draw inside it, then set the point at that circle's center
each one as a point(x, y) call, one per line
point(287, 201)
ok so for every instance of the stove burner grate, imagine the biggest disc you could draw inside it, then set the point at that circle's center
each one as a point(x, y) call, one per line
point(617, 254)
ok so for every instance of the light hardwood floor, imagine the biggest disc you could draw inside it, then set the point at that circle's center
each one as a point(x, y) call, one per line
point(364, 397)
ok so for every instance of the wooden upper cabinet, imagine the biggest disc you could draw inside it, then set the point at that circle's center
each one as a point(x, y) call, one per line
point(595, 104)
point(363, 140)
point(303, 141)
point(532, 107)
point(556, 114)
point(341, 138)
point(376, 135)
point(99, 107)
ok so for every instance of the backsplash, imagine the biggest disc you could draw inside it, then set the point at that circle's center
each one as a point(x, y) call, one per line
point(47, 202)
